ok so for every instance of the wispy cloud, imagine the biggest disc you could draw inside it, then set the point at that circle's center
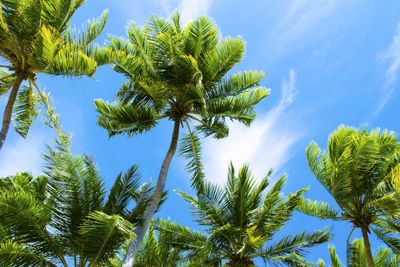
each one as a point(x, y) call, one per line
point(22, 155)
point(266, 144)
point(189, 9)
point(300, 18)
point(391, 57)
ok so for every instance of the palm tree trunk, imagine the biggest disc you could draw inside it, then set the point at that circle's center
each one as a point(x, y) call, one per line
point(367, 245)
point(9, 107)
point(156, 198)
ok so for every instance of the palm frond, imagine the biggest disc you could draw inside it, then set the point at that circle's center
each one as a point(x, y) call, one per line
point(102, 234)
point(389, 238)
point(122, 192)
point(180, 236)
point(76, 189)
point(213, 126)
point(318, 209)
point(296, 243)
point(92, 30)
point(25, 219)
point(25, 110)
point(6, 81)
point(72, 61)
point(58, 12)
point(336, 262)
point(51, 118)
point(238, 107)
point(23, 18)
point(45, 46)
point(201, 36)
point(191, 150)
point(216, 63)
point(14, 254)
point(117, 118)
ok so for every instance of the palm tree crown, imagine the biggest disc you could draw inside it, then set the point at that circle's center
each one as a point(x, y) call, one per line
point(65, 216)
point(356, 257)
point(36, 37)
point(359, 170)
point(241, 220)
point(178, 74)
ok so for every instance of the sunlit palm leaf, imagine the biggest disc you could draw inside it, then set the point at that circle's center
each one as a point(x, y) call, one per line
point(25, 110)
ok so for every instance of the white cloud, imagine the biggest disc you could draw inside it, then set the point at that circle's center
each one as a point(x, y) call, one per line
point(300, 18)
point(22, 155)
point(390, 56)
point(266, 144)
point(189, 9)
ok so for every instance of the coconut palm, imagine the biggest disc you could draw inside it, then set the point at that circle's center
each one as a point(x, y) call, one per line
point(357, 256)
point(178, 74)
point(358, 170)
point(65, 216)
point(35, 38)
point(241, 220)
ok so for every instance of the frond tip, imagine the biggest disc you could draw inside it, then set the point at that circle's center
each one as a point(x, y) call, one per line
point(318, 209)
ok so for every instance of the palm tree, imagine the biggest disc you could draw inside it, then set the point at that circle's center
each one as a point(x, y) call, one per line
point(358, 170)
point(65, 216)
point(178, 74)
point(36, 37)
point(357, 256)
point(241, 220)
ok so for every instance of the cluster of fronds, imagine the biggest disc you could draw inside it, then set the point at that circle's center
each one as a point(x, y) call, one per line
point(66, 214)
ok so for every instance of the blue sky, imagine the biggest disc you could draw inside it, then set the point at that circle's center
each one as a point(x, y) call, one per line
point(327, 63)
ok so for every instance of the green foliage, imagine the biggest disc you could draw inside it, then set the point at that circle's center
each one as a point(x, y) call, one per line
point(241, 220)
point(25, 110)
point(179, 74)
point(67, 213)
point(36, 37)
point(356, 256)
point(6, 81)
point(14, 254)
point(108, 231)
point(169, 246)
point(191, 150)
point(360, 169)
point(318, 208)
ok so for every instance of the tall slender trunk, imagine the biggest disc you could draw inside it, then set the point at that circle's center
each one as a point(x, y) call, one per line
point(9, 107)
point(367, 245)
point(156, 198)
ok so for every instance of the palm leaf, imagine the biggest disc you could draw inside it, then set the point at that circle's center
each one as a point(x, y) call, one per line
point(117, 118)
point(238, 107)
point(92, 30)
point(14, 254)
point(6, 81)
point(125, 186)
point(102, 234)
point(389, 238)
point(201, 36)
point(25, 110)
point(296, 243)
point(191, 150)
point(336, 262)
point(318, 209)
